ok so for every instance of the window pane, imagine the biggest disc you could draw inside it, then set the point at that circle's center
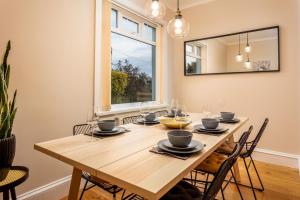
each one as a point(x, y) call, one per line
point(189, 49)
point(149, 33)
point(114, 18)
point(193, 65)
point(130, 25)
point(198, 51)
point(133, 70)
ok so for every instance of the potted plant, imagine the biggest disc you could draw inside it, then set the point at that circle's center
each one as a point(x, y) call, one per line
point(7, 116)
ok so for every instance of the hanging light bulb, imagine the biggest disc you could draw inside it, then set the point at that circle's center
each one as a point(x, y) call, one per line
point(248, 64)
point(178, 27)
point(239, 56)
point(248, 47)
point(155, 9)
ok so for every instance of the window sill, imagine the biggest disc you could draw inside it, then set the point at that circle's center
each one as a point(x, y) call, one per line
point(128, 109)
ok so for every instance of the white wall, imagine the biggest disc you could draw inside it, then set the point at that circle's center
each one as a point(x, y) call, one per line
point(52, 61)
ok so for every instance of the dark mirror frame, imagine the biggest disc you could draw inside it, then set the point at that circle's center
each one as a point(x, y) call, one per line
point(242, 32)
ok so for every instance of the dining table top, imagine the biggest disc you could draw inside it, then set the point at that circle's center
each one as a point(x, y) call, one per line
point(125, 160)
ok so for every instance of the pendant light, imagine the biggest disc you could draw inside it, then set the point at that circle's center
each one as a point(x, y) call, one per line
point(248, 47)
point(248, 63)
point(178, 27)
point(155, 9)
point(239, 56)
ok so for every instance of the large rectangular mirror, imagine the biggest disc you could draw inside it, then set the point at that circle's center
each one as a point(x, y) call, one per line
point(243, 52)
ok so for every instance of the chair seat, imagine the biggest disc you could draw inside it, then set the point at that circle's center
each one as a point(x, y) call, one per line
point(101, 183)
point(212, 163)
point(183, 191)
point(228, 147)
point(12, 177)
point(92, 178)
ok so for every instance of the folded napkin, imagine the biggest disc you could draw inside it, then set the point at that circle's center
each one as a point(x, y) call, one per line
point(162, 152)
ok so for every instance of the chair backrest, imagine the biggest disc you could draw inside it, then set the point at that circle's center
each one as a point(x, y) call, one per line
point(131, 119)
point(220, 176)
point(243, 139)
point(257, 138)
point(81, 129)
point(161, 113)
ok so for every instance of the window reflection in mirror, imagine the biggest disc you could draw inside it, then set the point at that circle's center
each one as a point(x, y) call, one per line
point(250, 51)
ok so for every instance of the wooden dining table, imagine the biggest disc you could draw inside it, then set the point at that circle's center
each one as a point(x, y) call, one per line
point(125, 160)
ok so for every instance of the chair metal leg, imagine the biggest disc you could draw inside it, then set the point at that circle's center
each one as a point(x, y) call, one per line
point(249, 178)
point(206, 182)
point(81, 195)
point(195, 180)
point(13, 194)
point(261, 184)
point(237, 185)
point(222, 192)
point(123, 194)
point(6, 195)
point(114, 192)
point(192, 182)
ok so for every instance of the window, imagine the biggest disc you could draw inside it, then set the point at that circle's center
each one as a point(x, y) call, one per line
point(194, 60)
point(133, 53)
point(114, 18)
point(149, 33)
point(130, 26)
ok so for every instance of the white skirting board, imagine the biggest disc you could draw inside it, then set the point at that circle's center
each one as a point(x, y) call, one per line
point(61, 186)
point(277, 158)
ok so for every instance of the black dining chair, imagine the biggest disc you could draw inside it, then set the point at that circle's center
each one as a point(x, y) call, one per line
point(226, 149)
point(212, 163)
point(131, 119)
point(186, 191)
point(112, 189)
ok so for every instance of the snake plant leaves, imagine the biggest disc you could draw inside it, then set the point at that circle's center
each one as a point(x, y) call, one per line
point(7, 108)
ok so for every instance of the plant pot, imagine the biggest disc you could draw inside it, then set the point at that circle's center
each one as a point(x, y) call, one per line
point(7, 154)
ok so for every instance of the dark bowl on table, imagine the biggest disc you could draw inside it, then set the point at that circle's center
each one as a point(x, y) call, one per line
point(210, 123)
point(150, 117)
point(227, 115)
point(180, 138)
point(106, 125)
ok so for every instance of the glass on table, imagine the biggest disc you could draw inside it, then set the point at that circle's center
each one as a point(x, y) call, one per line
point(174, 107)
point(206, 111)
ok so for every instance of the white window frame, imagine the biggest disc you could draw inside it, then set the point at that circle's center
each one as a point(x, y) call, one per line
point(121, 108)
point(136, 36)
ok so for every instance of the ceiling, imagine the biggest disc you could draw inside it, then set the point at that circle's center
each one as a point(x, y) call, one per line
point(172, 4)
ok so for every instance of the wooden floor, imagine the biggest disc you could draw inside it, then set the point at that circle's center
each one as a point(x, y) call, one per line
point(281, 183)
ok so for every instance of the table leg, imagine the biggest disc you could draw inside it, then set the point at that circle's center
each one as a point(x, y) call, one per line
point(236, 168)
point(13, 194)
point(6, 195)
point(75, 184)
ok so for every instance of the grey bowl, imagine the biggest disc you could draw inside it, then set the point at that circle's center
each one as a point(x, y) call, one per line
point(107, 125)
point(210, 123)
point(180, 138)
point(150, 117)
point(227, 115)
